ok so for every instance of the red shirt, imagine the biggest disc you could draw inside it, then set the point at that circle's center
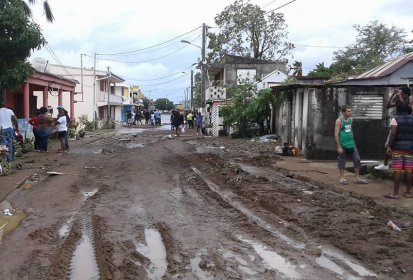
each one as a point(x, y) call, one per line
point(34, 122)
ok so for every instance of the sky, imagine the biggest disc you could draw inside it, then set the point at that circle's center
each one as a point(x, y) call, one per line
point(316, 27)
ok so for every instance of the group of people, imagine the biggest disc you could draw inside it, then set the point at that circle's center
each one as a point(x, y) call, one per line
point(191, 118)
point(399, 144)
point(150, 117)
point(42, 124)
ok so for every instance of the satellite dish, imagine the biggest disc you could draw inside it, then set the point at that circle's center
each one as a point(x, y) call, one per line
point(40, 64)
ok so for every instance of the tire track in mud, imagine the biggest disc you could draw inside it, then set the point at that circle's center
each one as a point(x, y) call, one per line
point(338, 264)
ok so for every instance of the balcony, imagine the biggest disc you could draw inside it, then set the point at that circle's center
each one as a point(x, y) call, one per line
point(102, 97)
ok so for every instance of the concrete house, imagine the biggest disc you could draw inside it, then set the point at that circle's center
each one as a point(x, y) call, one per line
point(231, 71)
point(307, 119)
point(85, 100)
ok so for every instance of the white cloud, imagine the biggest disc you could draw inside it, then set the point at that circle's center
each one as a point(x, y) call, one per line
point(89, 26)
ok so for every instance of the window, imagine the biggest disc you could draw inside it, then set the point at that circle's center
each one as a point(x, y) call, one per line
point(367, 106)
point(246, 75)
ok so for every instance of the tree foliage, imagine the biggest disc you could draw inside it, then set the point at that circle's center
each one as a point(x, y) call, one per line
point(375, 44)
point(249, 107)
point(321, 71)
point(164, 104)
point(19, 36)
point(247, 30)
point(46, 8)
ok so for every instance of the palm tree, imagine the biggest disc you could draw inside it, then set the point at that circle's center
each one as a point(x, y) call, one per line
point(298, 69)
point(46, 8)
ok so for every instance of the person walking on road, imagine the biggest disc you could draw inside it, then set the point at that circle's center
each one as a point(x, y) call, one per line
point(34, 121)
point(8, 126)
point(178, 122)
point(66, 114)
point(61, 126)
point(346, 146)
point(199, 121)
point(401, 148)
point(401, 95)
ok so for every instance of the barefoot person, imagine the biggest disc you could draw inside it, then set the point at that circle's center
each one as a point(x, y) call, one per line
point(401, 148)
point(346, 146)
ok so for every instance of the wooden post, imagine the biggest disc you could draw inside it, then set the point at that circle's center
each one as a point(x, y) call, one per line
point(45, 97)
point(26, 101)
point(72, 105)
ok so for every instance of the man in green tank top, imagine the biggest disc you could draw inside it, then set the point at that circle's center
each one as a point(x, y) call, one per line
point(346, 146)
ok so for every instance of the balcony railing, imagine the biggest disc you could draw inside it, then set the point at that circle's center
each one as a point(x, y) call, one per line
point(114, 99)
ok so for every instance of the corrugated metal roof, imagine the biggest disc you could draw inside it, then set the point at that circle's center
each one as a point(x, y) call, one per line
point(387, 68)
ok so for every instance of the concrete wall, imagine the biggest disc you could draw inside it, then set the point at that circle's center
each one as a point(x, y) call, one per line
point(312, 112)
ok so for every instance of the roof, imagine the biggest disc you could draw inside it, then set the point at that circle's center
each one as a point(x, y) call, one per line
point(387, 68)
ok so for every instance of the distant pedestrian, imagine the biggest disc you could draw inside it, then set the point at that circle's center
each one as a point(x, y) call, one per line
point(147, 116)
point(61, 126)
point(44, 130)
point(34, 121)
point(66, 114)
point(8, 126)
point(400, 147)
point(346, 146)
point(172, 119)
point(178, 122)
point(190, 119)
point(199, 121)
point(401, 95)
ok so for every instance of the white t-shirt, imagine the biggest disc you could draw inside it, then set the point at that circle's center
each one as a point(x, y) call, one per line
point(62, 126)
point(5, 118)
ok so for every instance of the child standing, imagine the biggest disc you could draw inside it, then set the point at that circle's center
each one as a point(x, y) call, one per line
point(61, 126)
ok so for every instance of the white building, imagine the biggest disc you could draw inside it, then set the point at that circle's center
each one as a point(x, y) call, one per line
point(108, 94)
point(275, 78)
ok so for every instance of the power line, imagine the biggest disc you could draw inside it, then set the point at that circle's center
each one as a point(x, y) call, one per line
point(280, 6)
point(128, 52)
point(269, 3)
point(315, 46)
point(149, 60)
point(189, 38)
point(162, 83)
point(155, 79)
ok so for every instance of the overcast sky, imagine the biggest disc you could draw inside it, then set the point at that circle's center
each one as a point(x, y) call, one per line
point(91, 26)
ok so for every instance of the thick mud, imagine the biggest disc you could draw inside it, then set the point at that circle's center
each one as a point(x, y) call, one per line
point(137, 204)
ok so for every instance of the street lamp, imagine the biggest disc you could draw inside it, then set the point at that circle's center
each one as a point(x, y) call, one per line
point(203, 62)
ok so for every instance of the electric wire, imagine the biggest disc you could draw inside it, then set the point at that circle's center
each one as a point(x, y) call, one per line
point(156, 45)
point(269, 3)
point(149, 60)
point(280, 7)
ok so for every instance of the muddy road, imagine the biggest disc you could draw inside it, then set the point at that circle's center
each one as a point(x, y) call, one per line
point(135, 204)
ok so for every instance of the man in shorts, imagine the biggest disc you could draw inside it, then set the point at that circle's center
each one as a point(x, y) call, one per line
point(401, 148)
point(346, 146)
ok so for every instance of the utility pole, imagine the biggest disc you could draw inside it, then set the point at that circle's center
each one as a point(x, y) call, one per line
point(192, 90)
point(203, 66)
point(94, 91)
point(81, 73)
point(108, 93)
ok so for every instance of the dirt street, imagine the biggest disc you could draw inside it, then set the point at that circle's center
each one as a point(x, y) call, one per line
point(135, 204)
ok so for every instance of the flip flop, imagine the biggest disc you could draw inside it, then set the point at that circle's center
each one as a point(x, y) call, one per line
point(360, 181)
point(343, 181)
point(407, 195)
point(389, 195)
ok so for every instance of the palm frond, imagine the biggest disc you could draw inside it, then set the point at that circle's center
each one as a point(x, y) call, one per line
point(48, 11)
point(27, 9)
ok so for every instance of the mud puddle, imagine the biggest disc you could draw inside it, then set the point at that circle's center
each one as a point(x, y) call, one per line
point(134, 145)
point(333, 260)
point(84, 265)
point(155, 251)
point(129, 131)
point(273, 261)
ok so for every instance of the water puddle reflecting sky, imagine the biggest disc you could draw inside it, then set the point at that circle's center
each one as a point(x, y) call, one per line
point(155, 251)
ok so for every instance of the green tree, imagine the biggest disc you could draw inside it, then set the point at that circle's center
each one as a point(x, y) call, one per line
point(164, 104)
point(196, 102)
point(247, 30)
point(375, 44)
point(46, 8)
point(321, 71)
point(19, 36)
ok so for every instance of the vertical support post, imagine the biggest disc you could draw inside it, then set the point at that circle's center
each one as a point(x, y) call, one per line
point(72, 104)
point(26, 100)
point(60, 98)
point(192, 89)
point(108, 93)
point(45, 97)
point(203, 62)
point(94, 91)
